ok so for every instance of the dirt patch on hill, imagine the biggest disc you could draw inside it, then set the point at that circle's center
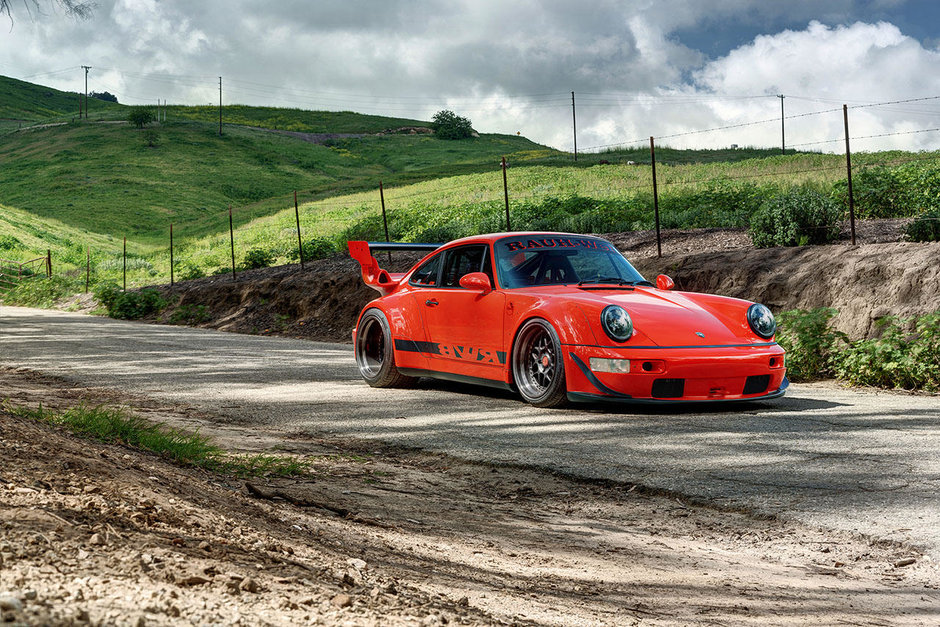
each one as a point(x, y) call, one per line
point(879, 277)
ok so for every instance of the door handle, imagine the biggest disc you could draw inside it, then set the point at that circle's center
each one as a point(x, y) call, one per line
point(431, 302)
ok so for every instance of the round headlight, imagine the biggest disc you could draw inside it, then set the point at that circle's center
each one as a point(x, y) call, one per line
point(617, 323)
point(761, 321)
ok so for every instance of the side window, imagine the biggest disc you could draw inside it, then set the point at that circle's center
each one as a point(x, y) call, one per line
point(461, 261)
point(427, 274)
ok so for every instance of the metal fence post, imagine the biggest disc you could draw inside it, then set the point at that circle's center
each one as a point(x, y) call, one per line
point(231, 236)
point(300, 241)
point(848, 167)
point(171, 254)
point(506, 194)
point(125, 264)
point(659, 243)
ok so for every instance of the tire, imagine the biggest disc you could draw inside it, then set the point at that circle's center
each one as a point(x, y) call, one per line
point(538, 366)
point(374, 354)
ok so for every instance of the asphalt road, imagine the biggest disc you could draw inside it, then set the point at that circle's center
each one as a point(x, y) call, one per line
point(851, 460)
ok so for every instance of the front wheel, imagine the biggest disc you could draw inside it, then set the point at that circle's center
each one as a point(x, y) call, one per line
point(374, 354)
point(538, 366)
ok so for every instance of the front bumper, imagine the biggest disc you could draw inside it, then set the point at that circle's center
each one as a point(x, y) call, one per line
point(678, 374)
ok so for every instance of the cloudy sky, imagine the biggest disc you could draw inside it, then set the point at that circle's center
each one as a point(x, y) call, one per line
point(675, 69)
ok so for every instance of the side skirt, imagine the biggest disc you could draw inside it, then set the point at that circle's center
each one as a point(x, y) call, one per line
point(457, 378)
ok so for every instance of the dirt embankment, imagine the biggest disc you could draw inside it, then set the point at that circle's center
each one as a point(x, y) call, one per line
point(879, 277)
point(107, 535)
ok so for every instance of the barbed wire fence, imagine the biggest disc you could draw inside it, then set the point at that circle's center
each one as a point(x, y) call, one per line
point(316, 217)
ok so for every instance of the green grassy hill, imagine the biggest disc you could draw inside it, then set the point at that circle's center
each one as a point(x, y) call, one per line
point(90, 183)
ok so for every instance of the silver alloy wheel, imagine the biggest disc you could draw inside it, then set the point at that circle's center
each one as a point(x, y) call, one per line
point(371, 349)
point(536, 362)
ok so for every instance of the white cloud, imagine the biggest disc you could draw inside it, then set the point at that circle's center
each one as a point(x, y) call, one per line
point(508, 66)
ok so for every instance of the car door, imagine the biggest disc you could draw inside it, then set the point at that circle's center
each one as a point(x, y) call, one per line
point(465, 325)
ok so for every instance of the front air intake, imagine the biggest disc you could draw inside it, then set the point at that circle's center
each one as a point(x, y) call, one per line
point(668, 388)
point(756, 384)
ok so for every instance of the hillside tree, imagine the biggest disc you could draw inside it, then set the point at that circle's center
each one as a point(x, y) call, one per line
point(139, 116)
point(449, 125)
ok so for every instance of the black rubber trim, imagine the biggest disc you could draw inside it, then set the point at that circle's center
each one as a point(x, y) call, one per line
point(583, 397)
point(595, 381)
point(457, 378)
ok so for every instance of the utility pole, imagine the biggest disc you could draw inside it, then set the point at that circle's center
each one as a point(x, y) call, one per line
point(574, 127)
point(87, 67)
point(220, 106)
point(783, 135)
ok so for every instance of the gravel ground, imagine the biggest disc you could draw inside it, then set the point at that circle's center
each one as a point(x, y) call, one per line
point(374, 535)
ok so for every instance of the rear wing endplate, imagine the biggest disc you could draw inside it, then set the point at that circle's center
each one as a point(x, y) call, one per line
point(375, 277)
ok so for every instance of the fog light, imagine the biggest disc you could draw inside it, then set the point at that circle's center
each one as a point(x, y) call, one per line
point(619, 366)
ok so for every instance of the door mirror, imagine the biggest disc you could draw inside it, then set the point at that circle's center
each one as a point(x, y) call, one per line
point(664, 283)
point(476, 281)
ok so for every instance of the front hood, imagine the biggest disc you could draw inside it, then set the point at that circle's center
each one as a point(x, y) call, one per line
point(676, 318)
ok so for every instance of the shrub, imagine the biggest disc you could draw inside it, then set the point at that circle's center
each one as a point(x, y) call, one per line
point(926, 228)
point(899, 358)
point(449, 125)
point(810, 343)
point(8, 242)
point(877, 193)
point(796, 217)
point(258, 258)
point(316, 248)
point(107, 294)
point(189, 271)
point(190, 314)
point(129, 305)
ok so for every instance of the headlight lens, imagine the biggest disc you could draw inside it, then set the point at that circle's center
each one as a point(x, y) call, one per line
point(617, 323)
point(761, 321)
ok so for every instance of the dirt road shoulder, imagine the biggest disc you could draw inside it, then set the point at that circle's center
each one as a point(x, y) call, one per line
point(100, 533)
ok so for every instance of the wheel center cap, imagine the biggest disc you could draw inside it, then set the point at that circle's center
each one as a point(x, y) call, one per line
point(545, 361)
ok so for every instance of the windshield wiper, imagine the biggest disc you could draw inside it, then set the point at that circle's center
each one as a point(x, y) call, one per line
point(605, 279)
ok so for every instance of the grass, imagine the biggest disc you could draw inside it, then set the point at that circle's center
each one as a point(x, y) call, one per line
point(118, 426)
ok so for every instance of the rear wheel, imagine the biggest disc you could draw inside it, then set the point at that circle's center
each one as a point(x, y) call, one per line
point(374, 354)
point(538, 366)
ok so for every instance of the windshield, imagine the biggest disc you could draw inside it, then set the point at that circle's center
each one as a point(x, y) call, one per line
point(525, 261)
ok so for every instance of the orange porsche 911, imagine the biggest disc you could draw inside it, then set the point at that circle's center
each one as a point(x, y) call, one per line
point(559, 317)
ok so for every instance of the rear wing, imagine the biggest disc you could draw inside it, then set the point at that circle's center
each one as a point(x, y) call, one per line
point(375, 277)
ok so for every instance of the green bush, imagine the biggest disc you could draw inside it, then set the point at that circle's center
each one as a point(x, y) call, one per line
point(129, 305)
point(189, 271)
point(107, 294)
point(926, 228)
point(316, 248)
point(190, 314)
point(899, 358)
point(796, 217)
point(258, 258)
point(876, 191)
point(811, 345)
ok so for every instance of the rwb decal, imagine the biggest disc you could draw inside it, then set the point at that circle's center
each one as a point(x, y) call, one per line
point(454, 351)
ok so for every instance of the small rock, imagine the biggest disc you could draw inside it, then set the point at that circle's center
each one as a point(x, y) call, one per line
point(342, 600)
point(250, 585)
point(193, 580)
point(356, 563)
point(203, 546)
point(905, 562)
point(10, 604)
point(82, 616)
point(91, 489)
point(96, 539)
point(30, 595)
